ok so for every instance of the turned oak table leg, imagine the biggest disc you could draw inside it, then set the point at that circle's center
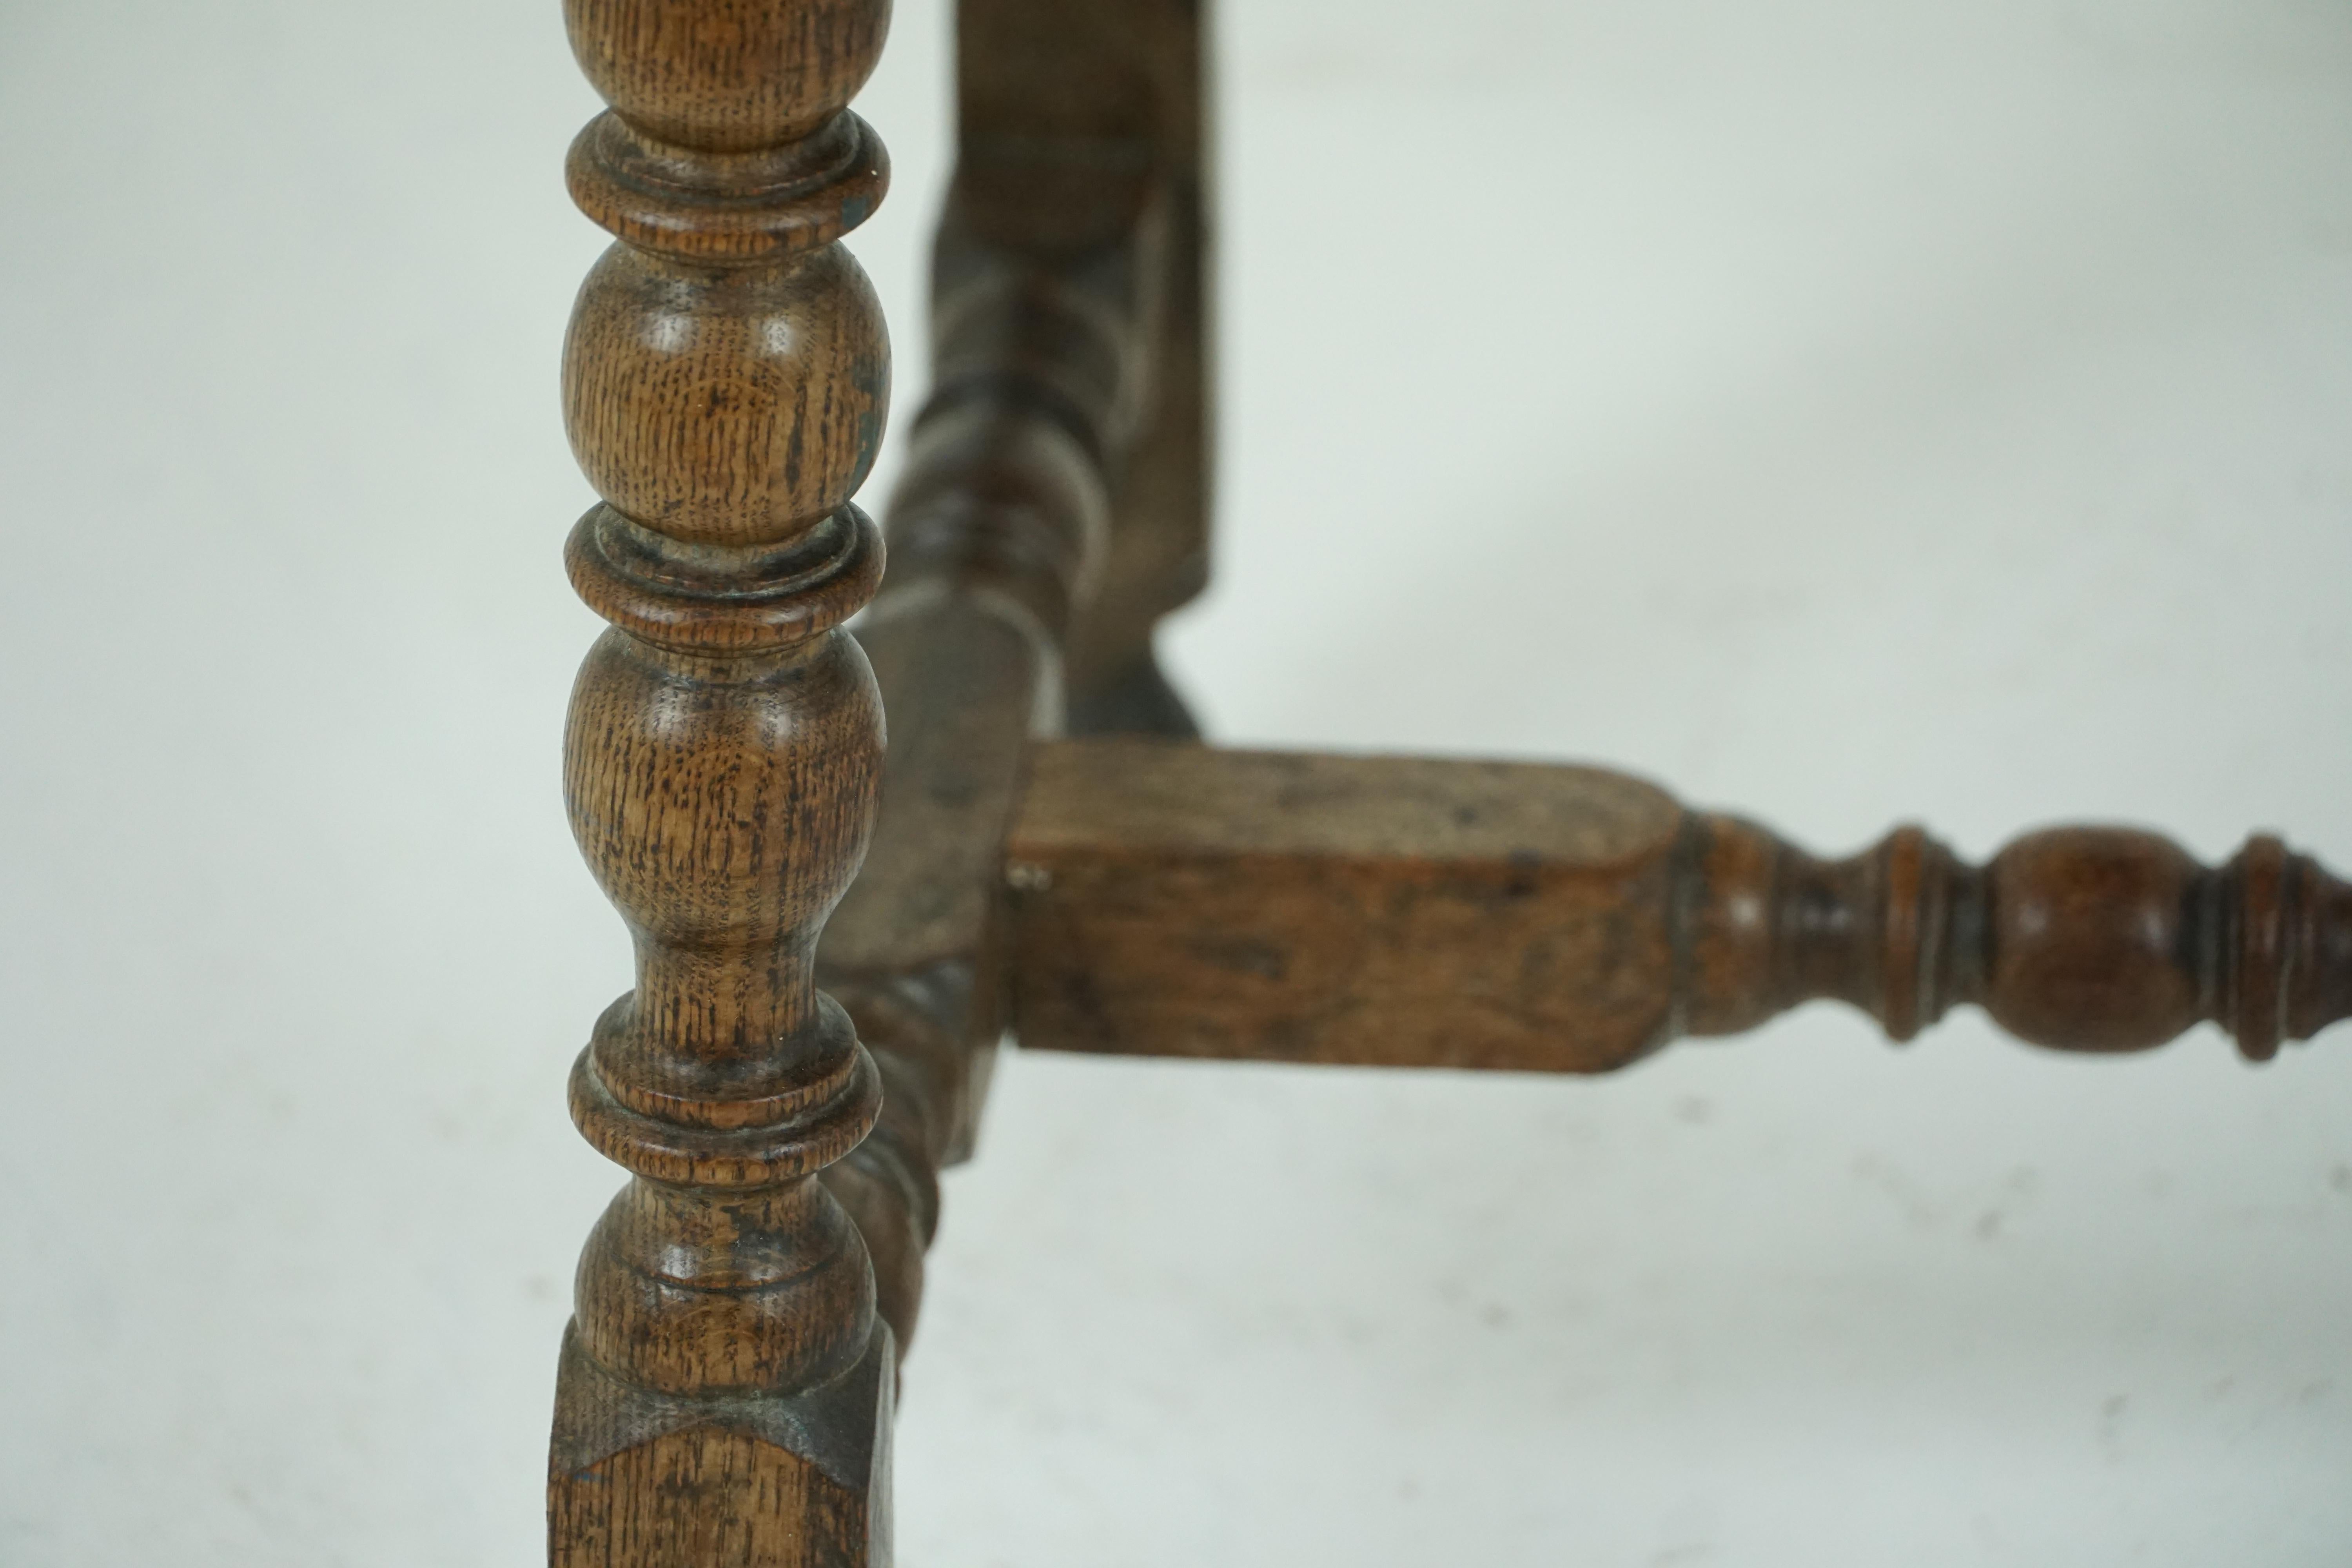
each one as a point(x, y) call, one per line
point(725, 1388)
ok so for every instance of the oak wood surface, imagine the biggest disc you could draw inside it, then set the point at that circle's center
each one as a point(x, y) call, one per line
point(724, 1391)
point(1173, 900)
point(727, 1388)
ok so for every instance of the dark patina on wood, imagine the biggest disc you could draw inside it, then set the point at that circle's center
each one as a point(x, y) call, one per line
point(1179, 901)
point(725, 1387)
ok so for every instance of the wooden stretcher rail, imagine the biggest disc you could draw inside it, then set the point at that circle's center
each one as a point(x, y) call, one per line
point(1173, 900)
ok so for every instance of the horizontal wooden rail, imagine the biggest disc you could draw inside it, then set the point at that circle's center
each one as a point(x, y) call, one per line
point(1175, 900)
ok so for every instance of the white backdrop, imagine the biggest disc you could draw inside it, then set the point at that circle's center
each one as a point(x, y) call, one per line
point(1841, 411)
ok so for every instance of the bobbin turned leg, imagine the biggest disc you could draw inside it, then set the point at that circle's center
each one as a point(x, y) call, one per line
point(725, 1388)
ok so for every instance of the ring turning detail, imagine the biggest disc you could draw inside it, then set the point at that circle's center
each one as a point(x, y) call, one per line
point(725, 1388)
point(1046, 850)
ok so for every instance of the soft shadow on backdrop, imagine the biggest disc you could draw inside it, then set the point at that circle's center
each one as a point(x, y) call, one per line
point(1837, 410)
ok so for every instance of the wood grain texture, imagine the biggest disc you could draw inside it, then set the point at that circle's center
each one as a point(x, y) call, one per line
point(1175, 900)
point(726, 76)
point(726, 406)
point(721, 1482)
point(724, 1392)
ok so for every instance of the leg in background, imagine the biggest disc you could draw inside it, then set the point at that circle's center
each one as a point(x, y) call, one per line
point(1058, 98)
